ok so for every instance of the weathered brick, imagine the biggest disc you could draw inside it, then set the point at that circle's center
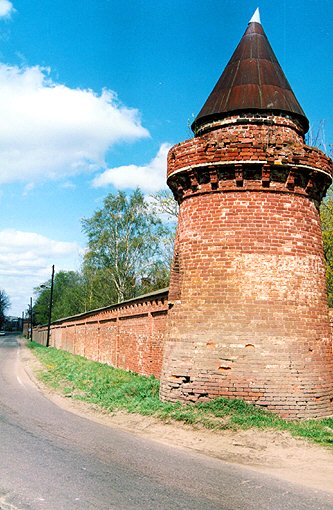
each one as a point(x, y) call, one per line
point(129, 335)
point(249, 270)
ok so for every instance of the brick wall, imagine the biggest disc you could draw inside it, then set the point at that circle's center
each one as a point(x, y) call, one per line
point(129, 335)
point(250, 315)
point(255, 323)
point(248, 138)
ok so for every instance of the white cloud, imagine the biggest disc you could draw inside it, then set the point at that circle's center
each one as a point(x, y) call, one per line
point(150, 177)
point(26, 259)
point(6, 8)
point(68, 185)
point(50, 131)
point(28, 188)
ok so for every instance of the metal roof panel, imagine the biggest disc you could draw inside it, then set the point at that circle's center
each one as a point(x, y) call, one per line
point(252, 80)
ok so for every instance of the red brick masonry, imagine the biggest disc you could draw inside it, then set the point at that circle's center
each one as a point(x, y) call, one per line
point(129, 335)
point(250, 316)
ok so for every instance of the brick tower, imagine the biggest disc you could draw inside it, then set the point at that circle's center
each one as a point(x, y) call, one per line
point(248, 308)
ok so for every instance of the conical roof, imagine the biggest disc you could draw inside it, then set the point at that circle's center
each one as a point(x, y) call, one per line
point(252, 81)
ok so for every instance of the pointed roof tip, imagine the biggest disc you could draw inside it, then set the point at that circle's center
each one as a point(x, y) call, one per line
point(252, 81)
point(256, 17)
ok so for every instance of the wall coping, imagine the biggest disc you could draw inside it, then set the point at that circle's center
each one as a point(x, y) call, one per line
point(144, 297)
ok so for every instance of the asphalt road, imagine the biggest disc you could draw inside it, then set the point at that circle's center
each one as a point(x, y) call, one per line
point(54, 460)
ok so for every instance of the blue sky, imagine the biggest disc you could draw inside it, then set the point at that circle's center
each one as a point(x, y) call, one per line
point(93, 92)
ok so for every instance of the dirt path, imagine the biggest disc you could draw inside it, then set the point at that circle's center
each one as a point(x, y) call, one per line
point(270, 452)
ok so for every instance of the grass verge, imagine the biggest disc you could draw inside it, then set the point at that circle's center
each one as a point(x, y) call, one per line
point(114, 389)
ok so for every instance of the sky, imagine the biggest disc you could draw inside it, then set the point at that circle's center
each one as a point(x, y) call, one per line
point(94, 92)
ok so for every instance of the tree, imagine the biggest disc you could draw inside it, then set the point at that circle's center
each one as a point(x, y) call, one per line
point(98, 291)
point(129, 253)
point(69, 297)
point(326, 215)
point(164, 203)
point(42, 303)
point(4, 305)
point(126, 248)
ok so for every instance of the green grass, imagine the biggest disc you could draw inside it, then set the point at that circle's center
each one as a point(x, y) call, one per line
point(114, 389)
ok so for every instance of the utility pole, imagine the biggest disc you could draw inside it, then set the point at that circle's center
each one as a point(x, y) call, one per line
point(50, 310)
point(31, 319)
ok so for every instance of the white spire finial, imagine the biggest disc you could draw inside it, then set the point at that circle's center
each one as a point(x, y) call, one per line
point(256, 17)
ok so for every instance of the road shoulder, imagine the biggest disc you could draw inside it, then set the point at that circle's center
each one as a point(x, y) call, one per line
point(270, 452)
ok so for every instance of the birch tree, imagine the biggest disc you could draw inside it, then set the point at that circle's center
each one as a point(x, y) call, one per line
point(126, 242)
